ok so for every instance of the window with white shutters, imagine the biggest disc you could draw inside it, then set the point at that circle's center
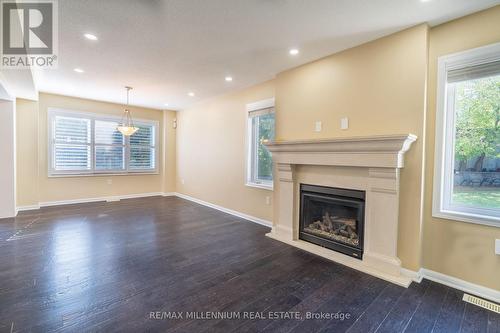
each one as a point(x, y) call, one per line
point(81, 143)
point(142, 148)
point(71, 144)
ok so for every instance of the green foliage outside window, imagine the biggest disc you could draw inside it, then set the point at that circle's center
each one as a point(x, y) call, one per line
point(477, 105)
point(266, 133)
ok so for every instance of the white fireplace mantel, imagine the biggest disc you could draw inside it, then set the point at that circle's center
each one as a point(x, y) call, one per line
point(368, 163)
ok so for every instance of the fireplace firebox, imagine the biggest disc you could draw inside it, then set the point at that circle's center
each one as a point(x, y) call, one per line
point(333, 218)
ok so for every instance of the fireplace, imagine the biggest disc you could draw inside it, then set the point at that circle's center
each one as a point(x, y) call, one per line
point(333, 218)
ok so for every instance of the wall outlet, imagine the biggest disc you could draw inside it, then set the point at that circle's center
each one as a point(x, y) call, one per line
point(497, 247)
point(109, 181)
point(182, 181)
point(268, 200)
point(344, 123)
point(318, 126)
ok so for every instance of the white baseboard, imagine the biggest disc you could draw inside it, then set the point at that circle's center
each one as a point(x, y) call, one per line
point(109, 198)
point(143, 195)
point(28, 207)
point(87, 200)
point(453, 282)
point(415, 276)
point(468, 287)
point(226, 210)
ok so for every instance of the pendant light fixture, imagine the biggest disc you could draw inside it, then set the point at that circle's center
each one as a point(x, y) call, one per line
point(126, 126)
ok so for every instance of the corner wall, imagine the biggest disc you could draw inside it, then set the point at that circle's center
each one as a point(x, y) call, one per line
point(211, 154)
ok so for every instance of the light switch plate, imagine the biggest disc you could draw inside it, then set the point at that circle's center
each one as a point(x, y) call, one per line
point(318, 126)
point(344, 123)
point(497, 246)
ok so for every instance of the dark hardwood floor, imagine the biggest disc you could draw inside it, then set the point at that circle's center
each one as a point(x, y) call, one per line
point(129, 265)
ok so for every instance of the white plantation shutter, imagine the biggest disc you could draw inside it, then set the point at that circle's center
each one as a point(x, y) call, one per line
point(71, 144)
point(474, 72)
point(260, 112)
point(110, 146)
point(142, 148)
point(82, 143)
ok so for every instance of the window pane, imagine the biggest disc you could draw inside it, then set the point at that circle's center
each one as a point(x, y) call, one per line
point(476, 180)
point(72, 130)
point(142, 158)
point(144, 136)
point(264, 126)
point(106, 133)
point(71, 157)
point(109, 158)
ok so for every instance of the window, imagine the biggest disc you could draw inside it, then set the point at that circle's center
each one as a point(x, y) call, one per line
point(88, 144)
point(109, 147)
point(260, 129)
point(467, 171)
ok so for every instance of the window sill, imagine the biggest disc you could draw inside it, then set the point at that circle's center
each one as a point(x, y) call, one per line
point(468, 218)
point(103, 174)
point(261, 186)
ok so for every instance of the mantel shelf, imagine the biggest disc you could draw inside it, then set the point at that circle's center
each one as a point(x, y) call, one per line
point(385, 151)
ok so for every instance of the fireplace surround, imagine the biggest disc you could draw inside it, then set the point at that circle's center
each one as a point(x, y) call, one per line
point(369, 164)
point(333, 218)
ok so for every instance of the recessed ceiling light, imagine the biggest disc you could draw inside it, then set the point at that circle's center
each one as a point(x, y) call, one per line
point(425, 0)
point(229, 78)
point(294, 51)
point(79, 70)
point(191, 94)
point(165, 104)
point(90, 36)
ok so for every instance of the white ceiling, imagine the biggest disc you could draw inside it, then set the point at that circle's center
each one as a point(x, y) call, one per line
point(166, 48)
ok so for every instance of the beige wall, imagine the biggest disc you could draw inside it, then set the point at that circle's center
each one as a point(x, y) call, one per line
point(380, 87)
point(211, 152)
point(27, 153)
point(459, 249)
point(169, 152)
point(8, 153)
point(33, 183)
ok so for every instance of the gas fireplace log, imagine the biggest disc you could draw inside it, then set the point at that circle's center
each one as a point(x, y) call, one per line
point(345, 221)
point(344, 233)
point(352, 233)
point(327, 221)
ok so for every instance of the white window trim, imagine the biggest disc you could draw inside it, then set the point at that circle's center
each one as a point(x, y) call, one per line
point(445, 136)
point(259, 105)
point(52, 173)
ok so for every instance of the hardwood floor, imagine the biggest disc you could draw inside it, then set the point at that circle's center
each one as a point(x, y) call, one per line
point(126, 266)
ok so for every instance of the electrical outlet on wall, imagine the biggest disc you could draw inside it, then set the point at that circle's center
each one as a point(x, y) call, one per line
point(182, 181)
point(497, 247)
point(318, 126)
point(344, 123)
point(268, 200)
point(109, 181)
